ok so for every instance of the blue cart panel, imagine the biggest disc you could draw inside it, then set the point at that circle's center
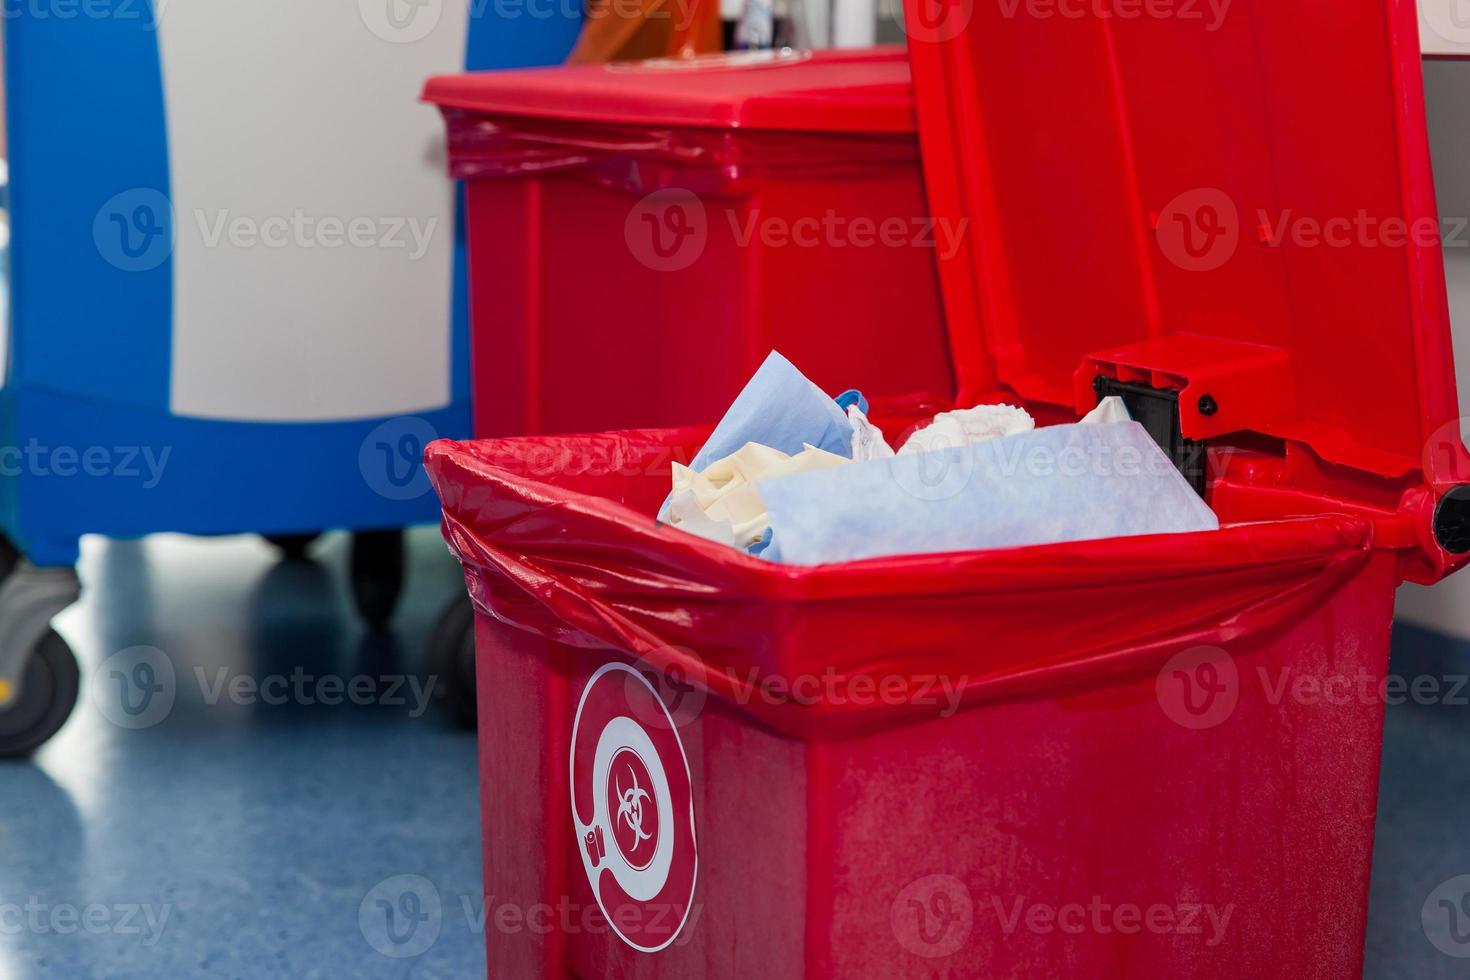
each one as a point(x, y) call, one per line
point(237, 269)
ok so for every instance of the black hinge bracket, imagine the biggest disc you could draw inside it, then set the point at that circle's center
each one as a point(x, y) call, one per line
point(1157, 410)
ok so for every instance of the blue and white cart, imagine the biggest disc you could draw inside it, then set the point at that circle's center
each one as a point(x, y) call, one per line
point(236, 284)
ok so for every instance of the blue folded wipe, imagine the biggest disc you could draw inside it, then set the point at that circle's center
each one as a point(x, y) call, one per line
point(1061, 483)
point(779, 407)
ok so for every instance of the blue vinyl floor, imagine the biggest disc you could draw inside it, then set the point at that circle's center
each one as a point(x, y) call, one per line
point(234, 837)
point(240, 838)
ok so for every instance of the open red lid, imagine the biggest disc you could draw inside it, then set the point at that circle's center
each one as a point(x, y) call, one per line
point(1233, 200)
point(862, 91)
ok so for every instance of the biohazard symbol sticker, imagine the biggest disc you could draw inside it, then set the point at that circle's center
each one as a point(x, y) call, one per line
point(633, 808)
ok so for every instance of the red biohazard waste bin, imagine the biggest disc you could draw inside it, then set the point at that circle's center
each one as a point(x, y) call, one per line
point(1143, 757)
point(640, 235)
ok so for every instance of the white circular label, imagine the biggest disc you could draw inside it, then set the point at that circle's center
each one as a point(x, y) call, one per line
point(633, 808)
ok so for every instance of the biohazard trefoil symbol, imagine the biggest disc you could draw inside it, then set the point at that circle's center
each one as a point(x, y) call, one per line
point(630, 809)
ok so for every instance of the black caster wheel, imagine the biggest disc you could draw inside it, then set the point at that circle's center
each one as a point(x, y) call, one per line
point(291, 546)
point(452, 662)
point(46, 698)
point(376, 568)
point(9, 557)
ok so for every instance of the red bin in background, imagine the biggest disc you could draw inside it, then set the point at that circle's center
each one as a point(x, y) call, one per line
point(1143, 757)
point(641, 234)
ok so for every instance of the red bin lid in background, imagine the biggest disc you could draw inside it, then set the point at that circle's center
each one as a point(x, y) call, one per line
point(862, 91)
point(1236, 204)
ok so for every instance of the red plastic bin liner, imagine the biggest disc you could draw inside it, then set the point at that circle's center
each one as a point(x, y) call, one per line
point(641, 159)
point(557, 536)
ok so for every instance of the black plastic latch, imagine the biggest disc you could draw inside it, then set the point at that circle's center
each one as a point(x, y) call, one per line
point(1452, 520)
point(1157, 410)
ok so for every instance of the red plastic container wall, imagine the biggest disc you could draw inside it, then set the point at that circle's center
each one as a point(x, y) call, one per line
point(1082, 834)
point(640, 238)
point(990, 745)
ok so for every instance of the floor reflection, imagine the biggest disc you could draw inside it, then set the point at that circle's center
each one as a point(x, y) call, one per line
point(238, 833)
